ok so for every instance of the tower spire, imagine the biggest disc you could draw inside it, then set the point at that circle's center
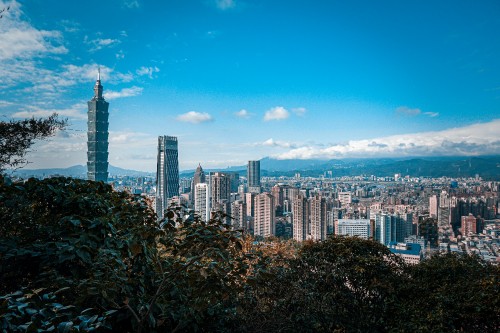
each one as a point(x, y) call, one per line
point(98, 86)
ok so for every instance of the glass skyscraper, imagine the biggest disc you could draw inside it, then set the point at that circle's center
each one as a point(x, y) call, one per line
point(97, 135)
point(253, 175)
point(167, 173)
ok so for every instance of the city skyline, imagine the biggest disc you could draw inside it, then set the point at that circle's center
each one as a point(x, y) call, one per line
point(241, 80)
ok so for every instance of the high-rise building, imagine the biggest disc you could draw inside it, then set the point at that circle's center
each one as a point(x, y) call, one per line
point(167, 172)
point(264, 224)
point(317, 211)
point(199, 177)
point(97, 135)
point(253, 175)
point(239, 214)
point(433, 206)
point(201, 201)
point(300, 218)
point(469, 225)
point(220, 187)
point(391, 227)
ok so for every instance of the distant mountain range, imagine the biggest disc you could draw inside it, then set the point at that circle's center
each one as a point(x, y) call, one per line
point(488, 167)
point(77, 171)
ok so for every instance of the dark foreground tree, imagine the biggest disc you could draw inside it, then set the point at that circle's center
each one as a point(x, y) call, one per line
point(341, 284)
point(17, 136)
point(449, 293)
point(77, 255)
point(75, 243)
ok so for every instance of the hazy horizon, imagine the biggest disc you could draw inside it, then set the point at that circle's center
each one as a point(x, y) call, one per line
point(239, 80)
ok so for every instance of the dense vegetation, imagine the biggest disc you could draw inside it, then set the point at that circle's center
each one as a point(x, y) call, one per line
point(76, 256)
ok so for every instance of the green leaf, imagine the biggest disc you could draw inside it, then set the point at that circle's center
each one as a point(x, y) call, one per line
point(65, 327)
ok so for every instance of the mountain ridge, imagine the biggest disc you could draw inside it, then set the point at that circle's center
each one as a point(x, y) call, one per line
point(487, 167)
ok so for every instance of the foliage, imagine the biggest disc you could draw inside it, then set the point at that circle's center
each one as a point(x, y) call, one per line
point(39, 311)
point(68, 233)
point(344, 284)
point(17, 136)
point(76, 256)
point(450, 293)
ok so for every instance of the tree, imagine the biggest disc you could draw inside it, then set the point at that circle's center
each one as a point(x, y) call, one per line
point(17, 136)
point(341, 284)
point(449, 293)
point(94, 246)
point(73, 249)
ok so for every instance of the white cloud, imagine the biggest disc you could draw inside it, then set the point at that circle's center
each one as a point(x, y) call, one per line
point(5, 104)
point(131, 4)
point(20, 40)
point(147, 71)
point(406, 111)
point(272, 143)
point(87, 73)
point(432, 114)
point(77, 111)
point(120, 55)
point(276, 113)
point(225, 4)
point(194, 117)
point(243, 114)
point(299, 111)
point(125, 92)
point(476, 139)
point(100, 43)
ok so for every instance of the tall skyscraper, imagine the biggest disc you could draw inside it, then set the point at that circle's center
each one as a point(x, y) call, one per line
point(167, 172)
point(253, 175)
point(97, 135)
point(198, 177)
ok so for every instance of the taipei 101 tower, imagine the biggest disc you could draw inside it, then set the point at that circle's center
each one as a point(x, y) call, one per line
point(97, 144)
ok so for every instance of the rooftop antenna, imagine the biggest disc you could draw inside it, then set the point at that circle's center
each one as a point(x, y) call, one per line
point(98, 73)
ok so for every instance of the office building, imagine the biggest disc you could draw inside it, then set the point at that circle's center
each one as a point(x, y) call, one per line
point(199, 177)
point(355, 227)
point(220, 187)
point(97, 135)
point(253, 175)
point(167, 172)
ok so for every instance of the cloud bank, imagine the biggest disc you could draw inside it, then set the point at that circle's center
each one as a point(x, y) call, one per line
point(472, 140)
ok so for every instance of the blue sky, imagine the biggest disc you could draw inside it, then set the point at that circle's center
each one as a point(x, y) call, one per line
point(238, 80)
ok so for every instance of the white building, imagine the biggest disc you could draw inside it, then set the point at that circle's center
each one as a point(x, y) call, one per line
point(201, 197)
point(360, 228)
